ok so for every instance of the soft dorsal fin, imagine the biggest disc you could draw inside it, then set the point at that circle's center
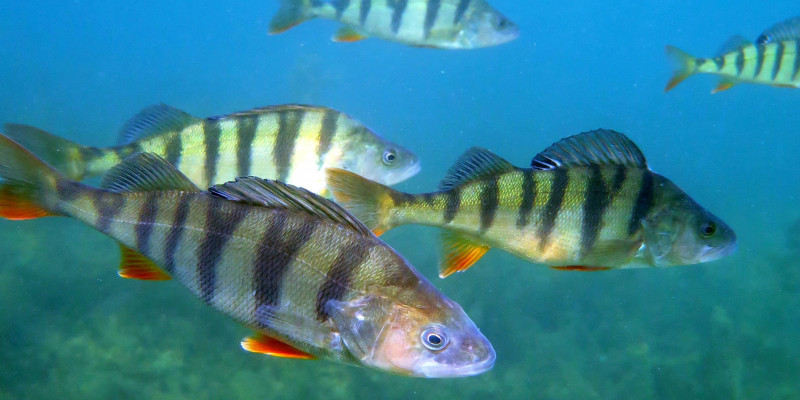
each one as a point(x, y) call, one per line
point(733, 43)
point(152, 121)
point(269, 109)
point(146, 172)
point(601, 146)
point(276, 194)
point(476, 163)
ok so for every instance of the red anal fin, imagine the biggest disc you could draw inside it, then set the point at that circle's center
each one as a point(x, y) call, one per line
point(723, 86)
point(137, 266)
point(580, 268)
point(378, 231)
point(347, 34)
point(460, 253)
point(14, 207)
point(264, 344)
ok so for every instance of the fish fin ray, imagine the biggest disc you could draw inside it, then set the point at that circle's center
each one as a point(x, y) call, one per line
point(260, 343)
point(146, 172)
point(348, 34)
point(64, 155)
point(369, 201)
point(136, 266)
point(275, 194)
point(686, 66)
point(724, 84)
point(782, 31)
point(601, 147)
point(475, 164)
point(27, 184)
point(460, 252)
point(154, 120)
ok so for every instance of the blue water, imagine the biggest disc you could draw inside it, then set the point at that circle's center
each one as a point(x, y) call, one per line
point(69, 328)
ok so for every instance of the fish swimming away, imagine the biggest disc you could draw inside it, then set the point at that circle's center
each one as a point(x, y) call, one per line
point(289, 143)
point(774, 59)
point(307, 277)
point(444, 24)
point(588, 202)
point(785, 30)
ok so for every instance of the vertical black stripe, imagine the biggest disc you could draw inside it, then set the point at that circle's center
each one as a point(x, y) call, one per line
point(145, 221)
point(528, 198)
point(212, 132)
point(247, 127)
point(174, 149)
point(558, 188)
point(275, 253)
point(340, 275)
point(644, 201)
point(796, 59)
point(490, 199)
point(739, 61)
point(620, 174)
point(363, 11)
point(597, 199)
point(431, 11)
point(326, 134)
point(288, 130)
point(759, 60)
point(175, 233)
point(720, 61)
point(397, 14)
point(460, 10)
point(453, 197)
point(340, 6)
point(220, 225)
point(776, 66)
point(108, 205)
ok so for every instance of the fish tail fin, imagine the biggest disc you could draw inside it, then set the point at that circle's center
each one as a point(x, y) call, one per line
point(27, 184)
point(291, 14)
point(368, 201)
point(686, 66)
point(68, 157)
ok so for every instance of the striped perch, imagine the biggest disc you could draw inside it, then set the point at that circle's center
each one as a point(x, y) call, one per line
point(445, 24)
point(307, 277)
point(290, 143)
point(589, 202)
point(771, 62)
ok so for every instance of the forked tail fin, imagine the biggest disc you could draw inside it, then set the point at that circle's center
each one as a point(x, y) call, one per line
point(68, 157)
point(368, 201)
point(686, 66)
point(27, 184)
point(291, 14)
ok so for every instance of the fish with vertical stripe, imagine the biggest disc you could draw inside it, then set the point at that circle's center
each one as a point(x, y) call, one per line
point(588, 202)
point(290, 143)
point(307, 277)
point(443, 24)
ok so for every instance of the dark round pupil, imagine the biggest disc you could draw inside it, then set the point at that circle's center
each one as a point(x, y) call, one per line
point(390, 157)
point(434, 339)
point(708, 229)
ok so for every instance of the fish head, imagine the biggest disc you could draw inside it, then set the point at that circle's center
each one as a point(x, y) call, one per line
point(412, 338)
point(682, 232)
point(377, 159)
point(484, 27)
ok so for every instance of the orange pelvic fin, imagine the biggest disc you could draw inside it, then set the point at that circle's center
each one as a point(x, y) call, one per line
point(580, 268)
point(460, 253)
point(264, 344)
point(136, 266)
point(16, 207)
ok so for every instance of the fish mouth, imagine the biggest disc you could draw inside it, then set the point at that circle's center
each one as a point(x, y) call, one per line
point(450, 371)
point(715, 253)
point(403, 175)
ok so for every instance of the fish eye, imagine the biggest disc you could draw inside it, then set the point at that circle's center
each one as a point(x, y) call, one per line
point(434, 338)
point(389, 157)
point(503, 23)
point(708, 229)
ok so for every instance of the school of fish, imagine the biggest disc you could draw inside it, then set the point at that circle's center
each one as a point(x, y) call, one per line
point(240, 208)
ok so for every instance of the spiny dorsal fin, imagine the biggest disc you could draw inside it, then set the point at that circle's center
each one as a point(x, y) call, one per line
point(601, 146)
point(476, 163)
point(154, 120)
point(733, 43)
point(782, 31)
point(146, 172)
point(275, 194)
point(270, 109)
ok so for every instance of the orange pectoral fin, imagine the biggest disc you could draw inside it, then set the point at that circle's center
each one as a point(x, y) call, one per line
point(580, 268)
point(15, 207)
point(137, 266)
point(264, 344)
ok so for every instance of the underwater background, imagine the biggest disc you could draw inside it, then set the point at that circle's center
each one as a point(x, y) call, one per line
point(71, 328)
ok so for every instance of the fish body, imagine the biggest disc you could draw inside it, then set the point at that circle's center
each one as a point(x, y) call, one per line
point(302, 273)
point(589, 202)
point(448, 24)
point(774, 59)
point(290, 143)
